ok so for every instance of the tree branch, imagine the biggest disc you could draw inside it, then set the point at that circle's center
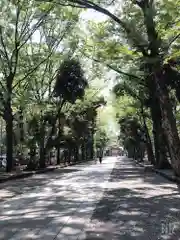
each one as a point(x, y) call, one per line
point(4, 48)
point(129, 91)
point(173, 40)
point(15, 52)
point(35, 27)
point(31, 71)
point(25, 24)
point(39, 64)
point(96, 7)
point(3, 66)
point(115, 69)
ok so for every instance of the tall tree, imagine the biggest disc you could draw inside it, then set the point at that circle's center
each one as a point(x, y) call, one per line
point(70, 85)
point(28, 37)
point(150, 46)
point(15, 31)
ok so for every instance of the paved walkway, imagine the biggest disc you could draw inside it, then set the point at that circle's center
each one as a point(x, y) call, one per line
point(92, 202)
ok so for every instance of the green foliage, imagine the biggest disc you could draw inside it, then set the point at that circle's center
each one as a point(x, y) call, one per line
point(70, 83)
point(37, 37)
point(101, 139)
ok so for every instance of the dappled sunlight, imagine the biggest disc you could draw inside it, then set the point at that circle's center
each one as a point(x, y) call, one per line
point(90, 204)
point(137, 208)
point(19, 186)
point(65, 202)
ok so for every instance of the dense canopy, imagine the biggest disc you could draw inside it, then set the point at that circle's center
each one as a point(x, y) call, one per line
point(61, 72)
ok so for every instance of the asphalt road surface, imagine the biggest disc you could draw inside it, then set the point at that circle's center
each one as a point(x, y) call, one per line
point(115, 200)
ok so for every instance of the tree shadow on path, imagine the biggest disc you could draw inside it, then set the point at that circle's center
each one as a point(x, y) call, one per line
point(137, 205)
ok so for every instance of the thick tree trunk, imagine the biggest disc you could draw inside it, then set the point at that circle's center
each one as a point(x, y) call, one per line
point(69, 154)
point(66, 153)
point(169, 126)
point(21, 125)
point(58, 155)
point(76, 154)
point(156, 73)
point(159, 140)
point(138, 155)
point(9, 136)
point(58, 144)
point(149, 146)
point(32, 153)
point(53, 124)
point(142, 151)
point(50, 136)
point(87, 150)
point(42, 160)
point(92, 145)
point(131, 151)
point(149, 149)
point(165, 164)
point(138, 149)
point(32, 164)
point(158, 132)
point(92, 150)
point(83, 155)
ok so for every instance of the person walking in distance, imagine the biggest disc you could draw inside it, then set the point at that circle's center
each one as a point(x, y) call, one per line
point(100, 154)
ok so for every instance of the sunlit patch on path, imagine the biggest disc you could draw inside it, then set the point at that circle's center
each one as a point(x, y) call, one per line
point(112, 201)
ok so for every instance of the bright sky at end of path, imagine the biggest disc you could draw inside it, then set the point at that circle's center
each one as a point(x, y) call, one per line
point(111, 125)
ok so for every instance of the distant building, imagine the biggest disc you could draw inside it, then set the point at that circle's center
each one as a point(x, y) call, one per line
point(115, 150)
